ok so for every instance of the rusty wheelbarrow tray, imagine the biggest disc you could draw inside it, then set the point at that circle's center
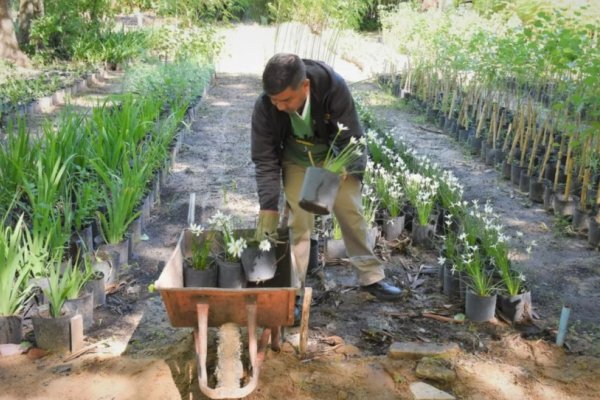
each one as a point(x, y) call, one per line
point(200, 308)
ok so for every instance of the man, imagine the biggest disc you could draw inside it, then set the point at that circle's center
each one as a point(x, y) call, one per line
point(303, 104)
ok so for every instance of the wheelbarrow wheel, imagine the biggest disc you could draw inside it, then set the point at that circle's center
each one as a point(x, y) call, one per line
point(230, 369)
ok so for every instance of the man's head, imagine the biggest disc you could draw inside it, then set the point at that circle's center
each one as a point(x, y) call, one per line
point(284, 81)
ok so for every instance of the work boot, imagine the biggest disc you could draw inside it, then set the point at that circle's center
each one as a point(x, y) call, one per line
point(383, 291)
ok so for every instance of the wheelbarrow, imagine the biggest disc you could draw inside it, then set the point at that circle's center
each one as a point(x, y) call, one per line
point(270, 307)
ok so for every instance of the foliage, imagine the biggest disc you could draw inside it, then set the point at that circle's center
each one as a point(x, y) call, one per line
point(320, 14)
point(337, 160)
point(14, 269)
point(234, 244)
point(56, 33)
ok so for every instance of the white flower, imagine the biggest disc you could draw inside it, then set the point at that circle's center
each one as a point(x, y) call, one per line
point(521, 277)
point(353, 140)
point(342, 127)
point(196, 229)
point(441, 260)
point(236, 247)
point(519, 233)
point(265, 245)
point(528, 249)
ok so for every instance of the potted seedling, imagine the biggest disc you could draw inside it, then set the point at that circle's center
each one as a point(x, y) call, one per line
point(259, 259)
point(58, 328)
point(480, 299)
point(231, 273)
point(14, 273)
point(200, 267)
point(421, 192)
point(321, 184)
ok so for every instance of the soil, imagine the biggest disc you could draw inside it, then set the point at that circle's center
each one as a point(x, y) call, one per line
point(134, 353)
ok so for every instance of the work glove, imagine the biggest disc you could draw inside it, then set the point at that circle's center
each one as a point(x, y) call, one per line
point(268, 221)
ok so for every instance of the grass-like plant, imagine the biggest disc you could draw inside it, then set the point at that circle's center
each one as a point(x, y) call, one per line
point(338, 160)
point(14, 268)
point(121, 195)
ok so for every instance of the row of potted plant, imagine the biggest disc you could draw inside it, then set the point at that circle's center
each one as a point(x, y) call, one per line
point(522, 95)
point(475, 251)
point(88, 171)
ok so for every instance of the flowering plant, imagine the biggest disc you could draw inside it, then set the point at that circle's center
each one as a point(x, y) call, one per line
point(421, 192)
point(201, 248)
point(480, 281)
point(337, 160)
point(512, 280)
point(369, 205)
point(234, 246)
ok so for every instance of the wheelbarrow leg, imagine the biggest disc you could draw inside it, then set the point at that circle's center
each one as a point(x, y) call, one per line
point(255, 350)
point(275, 337)
point(307, 300)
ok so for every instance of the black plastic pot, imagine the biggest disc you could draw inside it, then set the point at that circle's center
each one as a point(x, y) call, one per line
point(231, 275)
point(84, 306)
point(563, 206)
point(451, 283)
point(548, 196)
point(11, 328)
point(580, 221)
point(441, 121)
point(95, 286)
point(593, 230)
point(536, 190)
point(259, 265)
point(485, 147)
point(463, 135)
point(193, 277)
point(515, 173)
point(515, 308)
point(499, 157)
point(422, 235)
point(524, 181)
point(62, 334)
point(479, 308)
point(313, 258)
point(335, 249)
point(506, 170)
point(474, 144)
point(393, 227)
point(319, 190)
point(107, 262)
point(490, 156)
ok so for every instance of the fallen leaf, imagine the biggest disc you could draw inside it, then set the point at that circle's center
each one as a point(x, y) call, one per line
point(459, 317)
point(144, 237)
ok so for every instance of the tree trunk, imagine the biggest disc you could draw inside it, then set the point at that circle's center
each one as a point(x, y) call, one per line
point(29, 10)
point(9, 47)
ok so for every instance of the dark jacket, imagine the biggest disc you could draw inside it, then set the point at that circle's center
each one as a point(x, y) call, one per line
point(331, 104)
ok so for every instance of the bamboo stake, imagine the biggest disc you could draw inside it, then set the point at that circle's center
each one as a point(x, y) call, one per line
point(536, 140)
point(514, 146)
point(559, 162)
point(584, 188)
point(481, 119)
point(546, 156)
point(569, 171)
point(507, 138)
point(451, 112)
point(497, 135)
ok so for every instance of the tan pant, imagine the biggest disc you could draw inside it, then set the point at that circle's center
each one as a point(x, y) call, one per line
point(348, 211)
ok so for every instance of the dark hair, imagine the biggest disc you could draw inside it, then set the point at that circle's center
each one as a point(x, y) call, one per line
point(282, 71)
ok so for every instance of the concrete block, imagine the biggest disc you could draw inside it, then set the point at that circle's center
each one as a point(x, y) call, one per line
point(416, 350)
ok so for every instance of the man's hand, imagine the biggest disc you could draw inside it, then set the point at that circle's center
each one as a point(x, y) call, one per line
point(268, 220)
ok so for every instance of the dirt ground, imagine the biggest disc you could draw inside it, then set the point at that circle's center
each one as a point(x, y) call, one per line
point(134, 353)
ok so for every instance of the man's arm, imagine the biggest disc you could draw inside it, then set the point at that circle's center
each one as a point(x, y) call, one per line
point(265, 155)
